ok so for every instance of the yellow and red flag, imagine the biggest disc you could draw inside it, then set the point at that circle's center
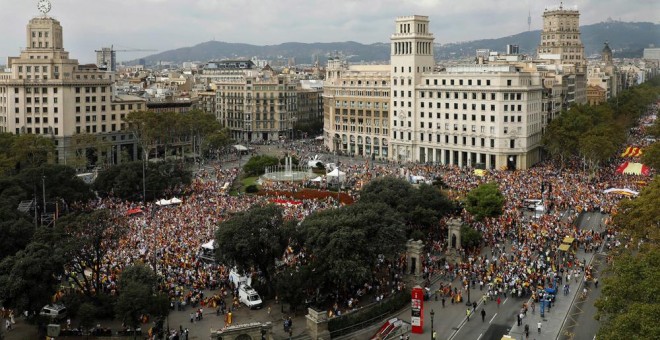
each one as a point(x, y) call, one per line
point(632, 151)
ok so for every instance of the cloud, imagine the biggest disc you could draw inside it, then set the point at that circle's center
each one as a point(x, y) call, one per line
point(168, 24)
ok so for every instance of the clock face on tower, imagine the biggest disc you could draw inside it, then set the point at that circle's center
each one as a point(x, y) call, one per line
point(43, 6)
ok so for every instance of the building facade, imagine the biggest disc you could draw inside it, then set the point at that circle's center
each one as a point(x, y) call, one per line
point(561, 48)
point(43, 91)
point(479, 115)
point(356, 102)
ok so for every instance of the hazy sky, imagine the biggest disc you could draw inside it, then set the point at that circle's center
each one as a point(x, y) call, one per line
point(169, 24)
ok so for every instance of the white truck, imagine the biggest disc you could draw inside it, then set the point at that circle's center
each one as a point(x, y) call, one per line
point(249, 297)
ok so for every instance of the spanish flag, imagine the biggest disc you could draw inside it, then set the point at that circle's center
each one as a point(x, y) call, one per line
point(632, 151)
point(633, 169)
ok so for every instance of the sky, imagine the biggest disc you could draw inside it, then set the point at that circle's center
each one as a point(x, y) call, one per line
point(168, 24)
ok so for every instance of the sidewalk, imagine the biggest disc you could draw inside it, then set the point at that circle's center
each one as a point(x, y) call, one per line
point(553, 320)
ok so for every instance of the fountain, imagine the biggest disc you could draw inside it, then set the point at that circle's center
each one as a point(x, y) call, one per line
point(287, 173)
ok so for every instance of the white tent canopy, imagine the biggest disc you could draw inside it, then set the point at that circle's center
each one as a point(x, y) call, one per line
point(209, 245)
point(337, 173)
point(317, 179)
point(165, 202)
point(239, 147)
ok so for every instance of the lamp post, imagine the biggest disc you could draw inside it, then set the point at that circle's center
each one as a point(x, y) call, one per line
point(432, 333)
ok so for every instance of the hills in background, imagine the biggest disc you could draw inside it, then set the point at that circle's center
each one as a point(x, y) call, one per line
point(627, 39)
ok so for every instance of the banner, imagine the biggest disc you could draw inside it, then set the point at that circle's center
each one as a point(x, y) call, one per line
point(633, 169)
point(632, 151)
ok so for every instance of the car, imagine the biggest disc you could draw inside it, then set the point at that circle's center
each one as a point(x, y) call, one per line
point(54, 312)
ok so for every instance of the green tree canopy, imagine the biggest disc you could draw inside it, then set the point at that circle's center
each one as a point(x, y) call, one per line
point(256, 166)
point(28, 279)
point(639, 217)
point(486, 200)
point(137, 296)
point(30, 150)
point(651, 155)
point(89, 236)
point(420, 207)
point(345, 243)
point(630, 297)
point(253, 239)
point(125, 180)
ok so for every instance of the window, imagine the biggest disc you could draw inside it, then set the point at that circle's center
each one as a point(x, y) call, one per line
point(512, 143)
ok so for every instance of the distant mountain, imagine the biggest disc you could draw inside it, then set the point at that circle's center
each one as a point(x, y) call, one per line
point(627, 39)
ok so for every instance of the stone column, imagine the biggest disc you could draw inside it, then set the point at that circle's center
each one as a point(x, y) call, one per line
point(454, 227)
point(317, 324)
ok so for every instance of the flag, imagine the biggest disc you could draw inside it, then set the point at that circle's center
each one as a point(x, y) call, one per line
point(633, 169)
point(480, 172)
point(632, 151)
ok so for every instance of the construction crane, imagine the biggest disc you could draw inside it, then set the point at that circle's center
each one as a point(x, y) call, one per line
point(107, 57)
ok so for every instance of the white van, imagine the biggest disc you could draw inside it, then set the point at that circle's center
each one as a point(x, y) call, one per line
point(249, 297)
point(54, 312)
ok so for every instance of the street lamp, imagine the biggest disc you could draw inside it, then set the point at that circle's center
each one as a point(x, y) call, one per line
point(432, 334)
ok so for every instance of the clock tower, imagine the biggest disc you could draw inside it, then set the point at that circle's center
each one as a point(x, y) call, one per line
point(411, 56)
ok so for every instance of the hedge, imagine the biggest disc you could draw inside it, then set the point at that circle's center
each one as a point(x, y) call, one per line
point(371, 314)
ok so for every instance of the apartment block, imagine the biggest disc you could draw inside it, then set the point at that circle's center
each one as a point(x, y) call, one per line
point(43, 91)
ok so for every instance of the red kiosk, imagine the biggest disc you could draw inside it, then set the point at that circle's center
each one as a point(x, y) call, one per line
point(417, 319)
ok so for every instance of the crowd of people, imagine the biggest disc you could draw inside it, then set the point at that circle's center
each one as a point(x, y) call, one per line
point(522, 255)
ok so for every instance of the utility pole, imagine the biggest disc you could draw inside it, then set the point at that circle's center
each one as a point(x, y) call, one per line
point(43, 186)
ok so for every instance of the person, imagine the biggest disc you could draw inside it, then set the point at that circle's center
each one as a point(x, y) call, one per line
point(192, 317)
point(596, 282)
point(468, 314)
point(435, 335)
point(519, 320)
point(443, 302)
point(499, 301)
point(538, 327)
point(7, 325)
point(483, 315)
point(474, 305)
point(526, 331)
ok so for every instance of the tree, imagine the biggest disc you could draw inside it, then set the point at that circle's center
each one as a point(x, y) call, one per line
point(420, 208)
point(87, 149)
point(90, 235)
point(257, 165)
point(345, 244)
point(651, 156)
point(32, 150)
point(60, 181)
point(215, 142)
point(253, 239)
point(87, 313)
point(630, 297)
point(486, 200)
point(639, 217)
point(125, 180)
point(470, 237)
point(28, 279)
point(137, 296)
point(599, 144)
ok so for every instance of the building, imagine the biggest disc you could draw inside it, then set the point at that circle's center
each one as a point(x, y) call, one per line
point(562, 47)
point(106, 58)
point(651, 54)
point(309, 113)
point(411, 56)
point(254, 104)
point(43, 91)
point(596, 95)
point(356, 102)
